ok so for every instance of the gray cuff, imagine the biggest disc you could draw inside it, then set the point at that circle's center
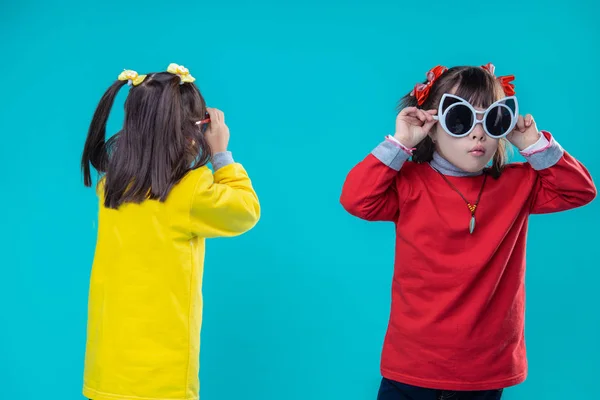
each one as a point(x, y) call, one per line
point(391, 155)
point(220, 160)
point(547, 157)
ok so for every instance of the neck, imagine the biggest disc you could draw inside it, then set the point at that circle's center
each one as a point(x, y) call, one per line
point(447, 168)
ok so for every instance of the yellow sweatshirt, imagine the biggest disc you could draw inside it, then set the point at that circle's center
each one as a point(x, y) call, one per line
point(145, 299)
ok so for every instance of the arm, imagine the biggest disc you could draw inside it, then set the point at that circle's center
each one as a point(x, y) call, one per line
point(369, 191)
point(562, 183)
point(224, 204)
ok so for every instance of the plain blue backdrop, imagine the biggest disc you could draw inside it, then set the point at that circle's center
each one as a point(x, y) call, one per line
point(298, 307)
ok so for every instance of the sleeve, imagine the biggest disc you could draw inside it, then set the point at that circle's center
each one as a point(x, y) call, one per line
point(369, 191)
point(224, 203)
point(562, 183)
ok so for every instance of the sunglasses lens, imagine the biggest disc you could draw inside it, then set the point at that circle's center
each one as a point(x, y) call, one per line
point(512, 104)
point(459, 119)
point(498, 121)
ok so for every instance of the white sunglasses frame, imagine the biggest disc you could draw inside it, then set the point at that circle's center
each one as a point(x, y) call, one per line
point(442, 120)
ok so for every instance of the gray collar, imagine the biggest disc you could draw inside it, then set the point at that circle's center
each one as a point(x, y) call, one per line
point(446, 168)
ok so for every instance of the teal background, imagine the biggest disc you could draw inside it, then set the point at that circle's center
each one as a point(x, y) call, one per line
point(298, 307)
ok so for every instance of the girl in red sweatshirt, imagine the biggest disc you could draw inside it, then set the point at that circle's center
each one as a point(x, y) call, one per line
point(461, 215)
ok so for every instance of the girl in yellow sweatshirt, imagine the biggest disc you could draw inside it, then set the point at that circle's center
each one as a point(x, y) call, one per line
point(158, 203)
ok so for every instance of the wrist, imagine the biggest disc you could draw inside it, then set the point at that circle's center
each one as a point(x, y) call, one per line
point(218, 150)
point(528, 141)
point(404, 140)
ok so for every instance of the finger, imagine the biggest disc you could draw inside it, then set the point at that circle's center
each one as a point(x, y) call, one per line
point(413, 112)
point(408, 110)
point(432, 111)
point(412, 120)
point(427, 117)
point(427, 127)
point(416, 113)
point(521, 123)
point(528, 120)
point(216, 115)
point(212, 112)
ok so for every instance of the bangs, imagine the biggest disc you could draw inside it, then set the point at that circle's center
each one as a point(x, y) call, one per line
point(478, 87)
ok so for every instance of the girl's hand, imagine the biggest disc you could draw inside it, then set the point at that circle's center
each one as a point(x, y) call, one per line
point(525, 133)
point(413, 125)
point(217, 133)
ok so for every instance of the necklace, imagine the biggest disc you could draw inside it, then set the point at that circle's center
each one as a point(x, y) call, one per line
point(472, 207)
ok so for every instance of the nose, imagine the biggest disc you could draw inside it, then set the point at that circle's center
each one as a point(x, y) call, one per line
point(478, 133)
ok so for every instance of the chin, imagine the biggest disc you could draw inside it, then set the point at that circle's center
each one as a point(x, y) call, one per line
point(474, 165)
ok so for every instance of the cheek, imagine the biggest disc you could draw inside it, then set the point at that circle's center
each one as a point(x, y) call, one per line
point(493, 145)
point(450, 145)
point(462, 143)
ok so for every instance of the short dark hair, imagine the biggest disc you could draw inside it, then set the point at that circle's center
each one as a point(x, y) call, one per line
point(157, 145)
point(474, 84)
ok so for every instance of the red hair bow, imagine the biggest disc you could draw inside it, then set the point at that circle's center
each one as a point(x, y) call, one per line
point(421, 90)
point(505, 81)
point(509, 88)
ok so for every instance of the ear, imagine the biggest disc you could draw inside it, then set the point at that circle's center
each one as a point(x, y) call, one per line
point(433, 133)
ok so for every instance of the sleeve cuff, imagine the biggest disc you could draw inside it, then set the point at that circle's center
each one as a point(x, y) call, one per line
point(545, 153)
point(392, 153)
point(541, 145)
point(397, 143)
point(220, 160)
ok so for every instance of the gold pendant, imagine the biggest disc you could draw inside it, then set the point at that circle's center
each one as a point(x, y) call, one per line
point(472, 208)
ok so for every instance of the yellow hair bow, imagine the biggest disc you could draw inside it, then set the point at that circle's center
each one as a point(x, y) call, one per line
point(132, 77)
point(182, 72)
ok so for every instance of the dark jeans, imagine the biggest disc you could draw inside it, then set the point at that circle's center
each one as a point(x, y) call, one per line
point(391, 390)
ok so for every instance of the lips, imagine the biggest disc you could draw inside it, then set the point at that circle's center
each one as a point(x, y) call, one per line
point(477, 151)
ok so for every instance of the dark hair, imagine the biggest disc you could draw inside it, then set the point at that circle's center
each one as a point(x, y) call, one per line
point(474, 84)
point(158, 144)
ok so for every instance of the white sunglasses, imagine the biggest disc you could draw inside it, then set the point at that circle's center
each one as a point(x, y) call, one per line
point(458, 117)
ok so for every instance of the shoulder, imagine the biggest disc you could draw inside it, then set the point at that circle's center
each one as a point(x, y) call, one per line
point(515, 177)
point(194, 180)
point(413, 171)
point(412, 178)
point(517, 170)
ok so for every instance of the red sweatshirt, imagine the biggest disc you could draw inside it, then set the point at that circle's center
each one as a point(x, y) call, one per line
point(457, 313)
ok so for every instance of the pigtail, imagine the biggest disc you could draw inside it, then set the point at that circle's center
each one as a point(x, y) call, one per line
point(95, 150)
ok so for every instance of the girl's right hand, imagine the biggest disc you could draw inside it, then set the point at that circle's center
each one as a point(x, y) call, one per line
point(217, 133)
point(413, 125)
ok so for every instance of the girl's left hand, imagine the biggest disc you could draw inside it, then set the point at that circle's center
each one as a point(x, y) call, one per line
point(525, 133)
